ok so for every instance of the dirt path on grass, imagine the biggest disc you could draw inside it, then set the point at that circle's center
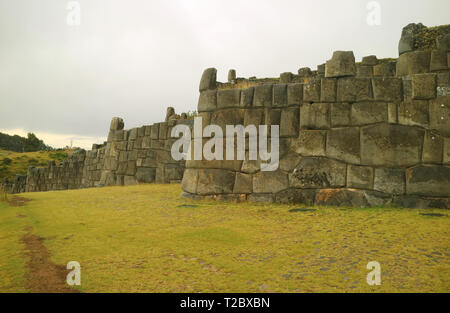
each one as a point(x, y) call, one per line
point(43, 276)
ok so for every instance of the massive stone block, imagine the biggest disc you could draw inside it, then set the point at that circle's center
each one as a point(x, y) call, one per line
point(310, 143)
point(341, 197)
point(413, 113)
point(315, 116)
point(286, 77)
point(215, 181)
point(296, 196)
point(209, 79)
point(438, 60)
point(295, 94)
point(207, 101)
point(433, 146)
point(340, 114)
point(116, 124)
point(243, 183)
point(270, 182)
point(390, 180)
point(311, 91)
point(440, 115)
point(391, 145)
point(359, 177)
point(350, 89)
point(279, 95)
point(228, 98)
point(254, 117)
point(428, 180)
point(424, 86)
point(145, 174)
point(414, 62)
point(328, 90)
point(387, 89)
point(263, 96)
point(385, 69)
point(318, 172)
point(344, 144)
point(247, 97)
point(446, 151)
point(190, 179)
point(364, 113)
point(341, 64)
point(289, 122)
point(228, 117)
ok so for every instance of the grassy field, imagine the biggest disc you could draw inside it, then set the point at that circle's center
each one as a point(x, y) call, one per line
point(12, 163)
point(146, 238)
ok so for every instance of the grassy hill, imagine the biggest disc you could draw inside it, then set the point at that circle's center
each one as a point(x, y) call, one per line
point(146, 238)
point(12, 163)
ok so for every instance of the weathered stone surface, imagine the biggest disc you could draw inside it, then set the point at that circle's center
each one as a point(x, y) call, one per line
point(328, 90)
point(286, 77)
point(273, 117)
point(231, 76)
point(310, 143)
point(390, 180)
point(340, 114)
point(289, 122)
point(254, 117)
point(413, 113)
point(443, 43)
point(270, 182)
point(433, 146)
point(364, 113)
point(294, 94)
point(207, 101)
point(376, 198)
point(438, 60)
point(190, 179)
point(155, 131)
point(279, 95)
point(304, 72)
point(414, 62)
point(385, 69)
point(263, 96)
point(228, 117)
point(209, 79)
point(215, 181)
point(387, 88)
point(243, 183)
point(440, 115)
point(116, 124)
point(370, 60)
point(392, 113)
point(408, 39)
point(341, 64)
point(341, 197)
point(311, 91)
point(428, 180)
point(315, 116)
point(424, 86)
point(318, 172)
point(289, 162)
point(344, 144)
point(446, 151)
point(145, 174)
point(296, 196)
point(352, 89)
point(247, 97)
point(391, 145)
point(228, 98)
point(359, 177)
point(364, 71)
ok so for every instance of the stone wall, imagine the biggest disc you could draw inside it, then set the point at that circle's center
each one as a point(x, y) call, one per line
point(137, 155)
point(351, 134)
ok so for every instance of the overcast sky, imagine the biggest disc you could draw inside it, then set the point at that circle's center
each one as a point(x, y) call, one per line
point(134, 58)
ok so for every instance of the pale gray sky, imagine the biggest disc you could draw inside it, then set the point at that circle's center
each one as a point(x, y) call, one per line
point(134, 58)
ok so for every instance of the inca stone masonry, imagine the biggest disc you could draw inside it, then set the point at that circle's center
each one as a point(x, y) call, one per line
point(351, 134)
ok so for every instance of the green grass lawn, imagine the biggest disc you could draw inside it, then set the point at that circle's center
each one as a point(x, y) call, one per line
point(147, 238)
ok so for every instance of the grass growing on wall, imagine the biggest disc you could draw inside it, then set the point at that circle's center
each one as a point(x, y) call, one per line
point(12, 163)
point(146, 238)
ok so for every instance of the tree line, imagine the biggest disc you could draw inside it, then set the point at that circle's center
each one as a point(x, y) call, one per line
point(17, 143)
